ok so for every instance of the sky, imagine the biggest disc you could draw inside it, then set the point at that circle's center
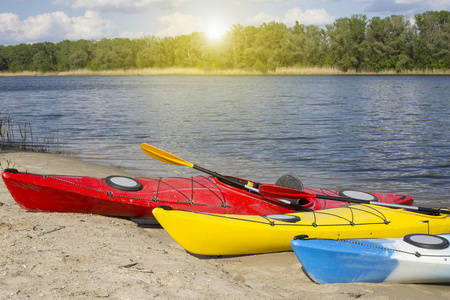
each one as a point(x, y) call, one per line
point(31, 21)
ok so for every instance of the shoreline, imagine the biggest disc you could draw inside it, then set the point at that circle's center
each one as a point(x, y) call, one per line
point(82, 256)
point(291, 71)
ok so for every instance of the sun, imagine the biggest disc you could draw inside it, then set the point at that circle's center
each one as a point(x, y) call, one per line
point(215, 31)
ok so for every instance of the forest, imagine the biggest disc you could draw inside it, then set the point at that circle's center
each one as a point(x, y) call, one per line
point(395, 43)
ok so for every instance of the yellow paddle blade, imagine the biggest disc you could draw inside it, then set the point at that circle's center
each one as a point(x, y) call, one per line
point(164, 156)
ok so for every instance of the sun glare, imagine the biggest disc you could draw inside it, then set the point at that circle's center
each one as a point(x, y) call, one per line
point(215, 31)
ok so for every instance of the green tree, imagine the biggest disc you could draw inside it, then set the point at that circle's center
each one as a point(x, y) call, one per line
point(73, 55)
point(433, 40)
point(62, 55)
point(268, 44)
point(294, 46)
point(115, 53)
point(389, 43)
point(19, 57)
point(3, 59)
point(392, 43)
point(78, 59)
point(43, 57)
point(304, 45)
point(238, 46)
point(152, 52)
point(316, 45)
point(188, 49)
point(346, 42)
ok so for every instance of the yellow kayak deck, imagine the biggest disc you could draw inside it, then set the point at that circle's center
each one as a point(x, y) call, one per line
point(216, 234)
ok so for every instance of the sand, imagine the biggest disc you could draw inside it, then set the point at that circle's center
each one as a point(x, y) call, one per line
point(81, 256)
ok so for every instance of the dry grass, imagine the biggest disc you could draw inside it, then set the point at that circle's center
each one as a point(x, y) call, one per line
point(336, 71)
point(160, 71)
point(24, 74)
point(308, 71)
point(294, 71)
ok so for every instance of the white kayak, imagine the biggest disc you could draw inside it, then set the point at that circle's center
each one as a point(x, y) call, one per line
point(416, 258)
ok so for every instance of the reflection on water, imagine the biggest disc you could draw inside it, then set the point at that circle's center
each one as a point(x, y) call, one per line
point(384, 133)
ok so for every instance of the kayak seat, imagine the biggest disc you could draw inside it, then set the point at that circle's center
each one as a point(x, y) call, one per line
point(289, 181)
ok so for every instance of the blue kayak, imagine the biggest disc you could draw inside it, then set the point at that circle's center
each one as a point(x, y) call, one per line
point(416, 258)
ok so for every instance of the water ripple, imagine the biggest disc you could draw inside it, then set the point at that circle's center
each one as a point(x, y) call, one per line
point(367, 132)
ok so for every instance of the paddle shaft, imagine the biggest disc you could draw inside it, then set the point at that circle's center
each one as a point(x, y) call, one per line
point(235, 182)
point(280, 192)
point(228, 180)
point(417, 208)
point(169, 158)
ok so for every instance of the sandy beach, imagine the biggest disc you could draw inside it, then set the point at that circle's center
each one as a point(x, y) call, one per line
point(79, 256)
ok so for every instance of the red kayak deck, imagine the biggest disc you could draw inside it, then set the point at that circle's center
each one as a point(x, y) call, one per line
point(81, 194)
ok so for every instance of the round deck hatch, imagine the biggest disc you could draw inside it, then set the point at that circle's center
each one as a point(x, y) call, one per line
point(284, 218)
point(427, 241)
point(358, 195)
point(124, 183)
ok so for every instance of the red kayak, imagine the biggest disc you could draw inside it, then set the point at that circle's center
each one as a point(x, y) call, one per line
point(121, 196)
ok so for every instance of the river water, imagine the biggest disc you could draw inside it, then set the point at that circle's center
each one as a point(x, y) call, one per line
point(373, 133)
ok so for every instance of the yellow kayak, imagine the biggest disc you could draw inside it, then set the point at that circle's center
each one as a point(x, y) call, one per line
point(218, 234)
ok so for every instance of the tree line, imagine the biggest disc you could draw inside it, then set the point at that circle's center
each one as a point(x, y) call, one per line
point(393, 43)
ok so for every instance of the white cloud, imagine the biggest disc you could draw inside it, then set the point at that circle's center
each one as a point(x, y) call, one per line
point(407, 1)
point(90, 26)
point(265, 1)
point(438, 5)
point(112, 5)
point(235, 4)
point(404, 6)
point(177, 3)
point(131, 35)
point(53, 27)
point(317, 17)
point(8, 24)
point(60, 2)
point(260, 18)
point(125, 6)
point(178, 24)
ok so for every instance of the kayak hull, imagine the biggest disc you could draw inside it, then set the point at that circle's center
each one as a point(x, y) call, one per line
point(81, 194)
point(73, 194)
point(390, 260)
point(218, 234)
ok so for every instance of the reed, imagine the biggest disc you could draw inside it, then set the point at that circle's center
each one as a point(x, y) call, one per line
point(308, 71)
point(160, 72)
point(282, 71)
point(27, 74)
point(27, 141)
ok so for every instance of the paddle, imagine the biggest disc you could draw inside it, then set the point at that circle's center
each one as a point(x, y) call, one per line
point(169, 158)
point(286, 193)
